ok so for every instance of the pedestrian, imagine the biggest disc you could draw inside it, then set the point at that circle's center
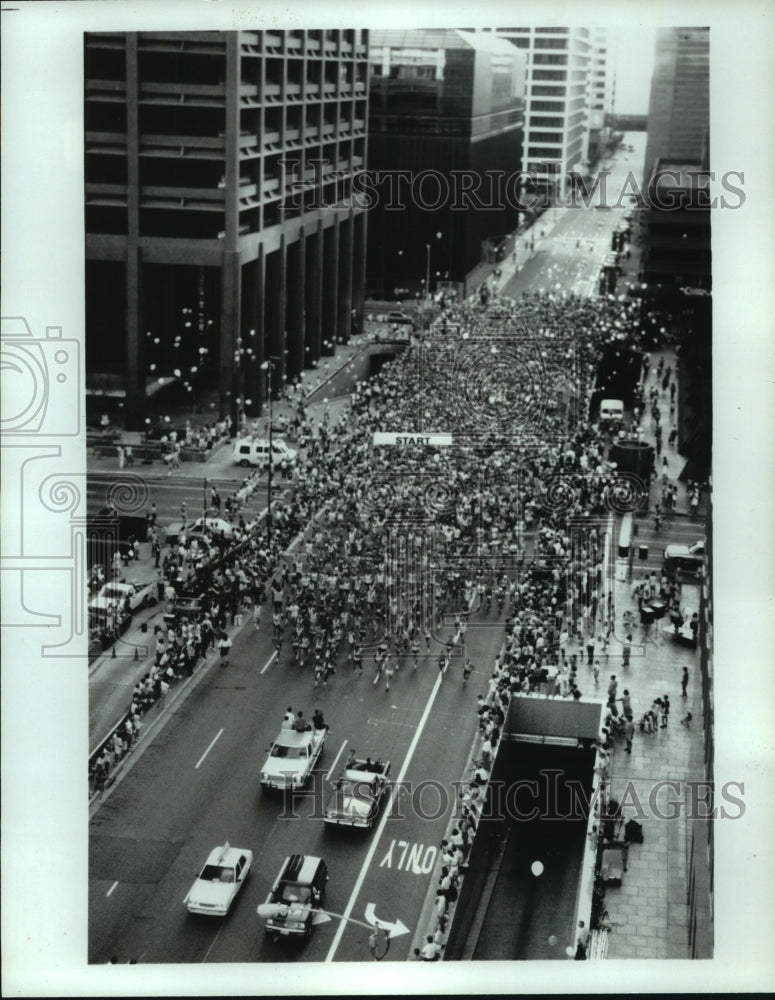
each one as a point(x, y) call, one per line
point(590, 651)
point(467, 670)
point(224, 646)
point(430, 950)
point(256, 616)
point(629, 732)
point(626, 650)
point(686, 721)
point(612, 688)
point(288, 719)
point(596, 673)
point(120, 457)
point(684, 682)
point(388, 672)
point(582, 941)
point(665, 710)
point(442, 664)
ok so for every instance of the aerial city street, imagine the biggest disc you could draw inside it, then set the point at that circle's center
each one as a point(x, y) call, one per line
point(399, 587)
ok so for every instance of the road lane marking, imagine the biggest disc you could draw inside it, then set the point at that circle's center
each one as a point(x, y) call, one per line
point(111, 888)
point(207, 751)
point(331, 769)
point(420, 859)
point(213, 944)
point(380, 829)
point(269, 662)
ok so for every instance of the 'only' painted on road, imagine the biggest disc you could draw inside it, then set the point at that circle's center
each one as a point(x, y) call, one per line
point(416, 858)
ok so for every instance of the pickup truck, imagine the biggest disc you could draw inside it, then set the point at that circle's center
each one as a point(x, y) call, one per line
point(292, 758)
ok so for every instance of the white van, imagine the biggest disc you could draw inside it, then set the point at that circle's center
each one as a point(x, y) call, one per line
point(611, 409)
point(255, 451)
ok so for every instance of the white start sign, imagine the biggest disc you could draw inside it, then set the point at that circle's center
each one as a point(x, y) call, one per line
point(410, 437)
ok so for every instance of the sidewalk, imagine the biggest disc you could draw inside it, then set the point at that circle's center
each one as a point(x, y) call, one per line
point(649, 912)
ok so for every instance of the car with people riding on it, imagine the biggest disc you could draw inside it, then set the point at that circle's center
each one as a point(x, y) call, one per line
point(219, 881)
point(292, 758)
point(298, 891)
point(357, 793)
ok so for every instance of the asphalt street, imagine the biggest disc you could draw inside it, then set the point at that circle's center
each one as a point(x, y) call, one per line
point(197, 784)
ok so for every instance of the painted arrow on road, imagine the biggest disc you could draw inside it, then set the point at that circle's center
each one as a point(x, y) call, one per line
point(394, 930)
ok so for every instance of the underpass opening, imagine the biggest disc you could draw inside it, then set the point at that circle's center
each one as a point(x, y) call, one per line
point(520, 895)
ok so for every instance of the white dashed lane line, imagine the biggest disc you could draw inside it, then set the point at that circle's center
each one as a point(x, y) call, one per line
point(207, 751)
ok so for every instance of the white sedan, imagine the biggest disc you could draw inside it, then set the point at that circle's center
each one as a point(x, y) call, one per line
point(211, 525)
point(140, 595)
point(216, 886)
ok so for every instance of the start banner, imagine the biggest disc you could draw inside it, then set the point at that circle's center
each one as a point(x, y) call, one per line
point(413, 437)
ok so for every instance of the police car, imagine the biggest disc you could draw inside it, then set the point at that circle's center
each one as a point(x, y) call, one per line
point(223, 875)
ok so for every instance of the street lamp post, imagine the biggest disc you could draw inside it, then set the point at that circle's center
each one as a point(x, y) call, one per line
point(268, 366)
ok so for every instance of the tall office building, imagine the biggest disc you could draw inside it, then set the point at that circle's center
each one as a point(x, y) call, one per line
point(219, 227)
point(602, 92)
point(675, 227)
point(558, 97)
point(447, 107)
point(679, 105)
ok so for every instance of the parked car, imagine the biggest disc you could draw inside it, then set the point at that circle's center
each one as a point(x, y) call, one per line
point(221, 878)
point(686, 558)
point(298, 890)
point(357, 793)
point(202, 525)
point(189, 607)
point(397, 316)
point(292, 758)
point(611, 409)
point(126, 596)
point(255, 451)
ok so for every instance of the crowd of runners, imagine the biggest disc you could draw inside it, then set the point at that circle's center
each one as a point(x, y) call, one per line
point(375, 550)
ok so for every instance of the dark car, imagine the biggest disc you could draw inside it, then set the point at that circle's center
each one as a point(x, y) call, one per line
point(298, 890)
